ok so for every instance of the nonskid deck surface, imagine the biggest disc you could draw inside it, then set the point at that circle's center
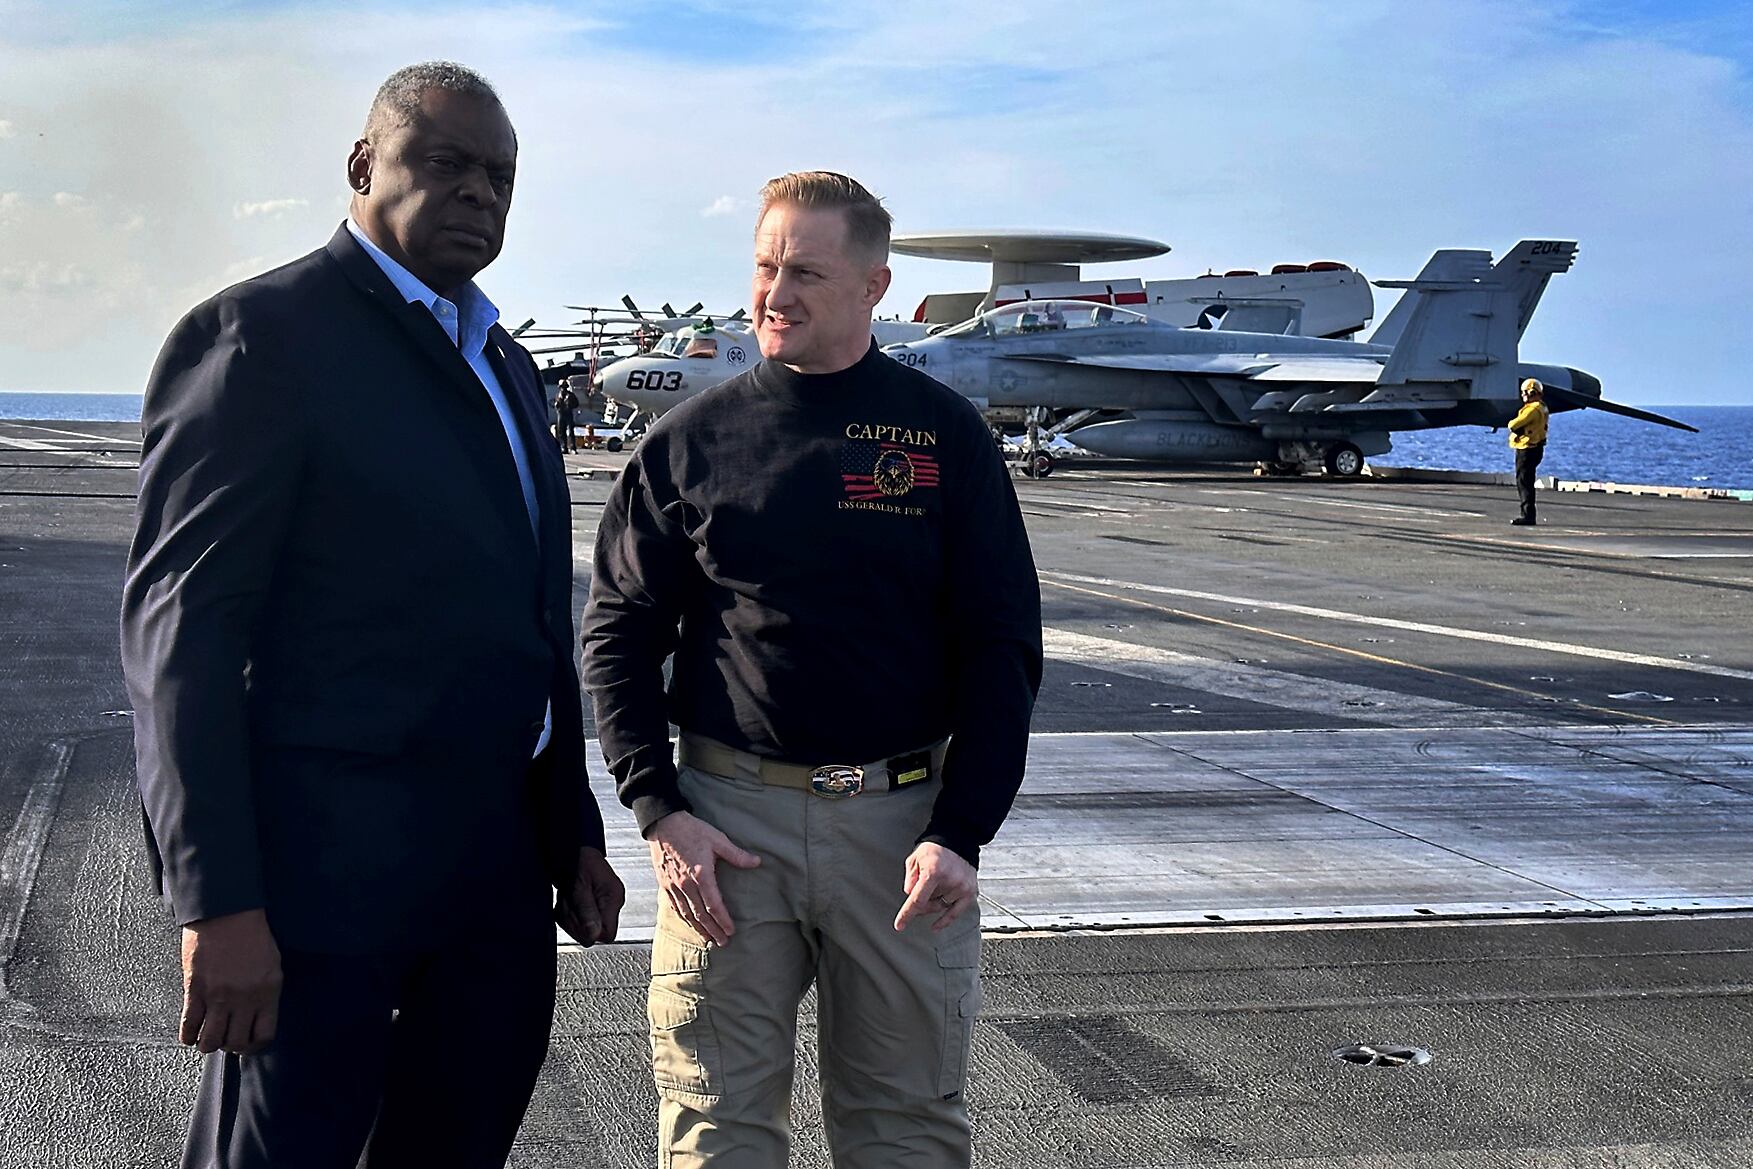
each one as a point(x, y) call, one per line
point(1268, 704)
point(1125, 831)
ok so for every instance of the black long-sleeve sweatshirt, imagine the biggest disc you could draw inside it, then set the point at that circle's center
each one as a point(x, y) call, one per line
point(839, 566)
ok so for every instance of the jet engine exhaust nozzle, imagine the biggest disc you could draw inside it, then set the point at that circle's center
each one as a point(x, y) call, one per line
point(1584, 383)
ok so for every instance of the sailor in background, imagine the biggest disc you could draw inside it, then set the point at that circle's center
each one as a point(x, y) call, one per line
point(1528, 440)
point(566, 415)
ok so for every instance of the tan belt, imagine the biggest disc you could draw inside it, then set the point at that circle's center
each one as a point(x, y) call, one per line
point(832, 780)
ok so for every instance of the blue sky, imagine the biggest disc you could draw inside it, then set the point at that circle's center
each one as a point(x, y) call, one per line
point(151, 153)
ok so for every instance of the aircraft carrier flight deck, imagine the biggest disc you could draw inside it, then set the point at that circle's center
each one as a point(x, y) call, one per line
point(1327, 776)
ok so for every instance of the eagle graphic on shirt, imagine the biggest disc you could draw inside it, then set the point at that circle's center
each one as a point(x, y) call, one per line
point(871, 470)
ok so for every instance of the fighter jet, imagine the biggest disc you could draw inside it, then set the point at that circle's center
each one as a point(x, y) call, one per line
point(1446, 356)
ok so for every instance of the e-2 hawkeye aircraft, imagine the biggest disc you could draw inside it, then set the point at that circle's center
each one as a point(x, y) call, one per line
point(693, 359)
point(1446, 356)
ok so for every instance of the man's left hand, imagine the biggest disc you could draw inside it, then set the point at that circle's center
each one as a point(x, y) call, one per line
point(938, 881)
point(589, 908)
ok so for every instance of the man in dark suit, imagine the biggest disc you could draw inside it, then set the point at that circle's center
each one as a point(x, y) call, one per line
point(359, 734)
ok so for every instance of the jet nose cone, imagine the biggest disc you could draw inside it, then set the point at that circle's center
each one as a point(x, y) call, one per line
point(1585, 383)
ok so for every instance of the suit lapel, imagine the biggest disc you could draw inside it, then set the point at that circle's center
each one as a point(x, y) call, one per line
point(553, 502)
point(415, 320)
point(466, 405)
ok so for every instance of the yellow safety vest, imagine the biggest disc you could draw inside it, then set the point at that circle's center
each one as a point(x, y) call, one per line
point(1528, 428)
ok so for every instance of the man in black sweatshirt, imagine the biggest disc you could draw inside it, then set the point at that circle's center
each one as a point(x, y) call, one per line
point(830, 547)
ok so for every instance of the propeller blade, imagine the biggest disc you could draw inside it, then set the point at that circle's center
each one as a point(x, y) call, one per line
point(736, 316)
point(1585, 402)
point(698, 305)
point(601, 320)
point(579, 349)
point(631, 307)
point(598, 332)
point(667, 310)
point(519, 331)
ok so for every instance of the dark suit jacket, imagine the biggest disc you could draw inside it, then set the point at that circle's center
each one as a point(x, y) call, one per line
point(338, 629)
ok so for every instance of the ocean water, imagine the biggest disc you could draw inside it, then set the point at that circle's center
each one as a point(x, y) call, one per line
point(71, 407)
point(1587, 444)
point(1581, 444)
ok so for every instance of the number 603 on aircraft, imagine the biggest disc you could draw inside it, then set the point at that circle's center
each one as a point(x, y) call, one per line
point(654, 379)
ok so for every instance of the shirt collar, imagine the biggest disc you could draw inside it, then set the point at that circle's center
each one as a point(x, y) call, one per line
point(476, 314)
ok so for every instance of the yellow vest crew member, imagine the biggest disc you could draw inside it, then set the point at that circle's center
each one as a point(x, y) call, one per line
point(1528, 440)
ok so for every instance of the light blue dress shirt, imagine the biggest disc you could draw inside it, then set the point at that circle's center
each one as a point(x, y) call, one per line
point(466, 323)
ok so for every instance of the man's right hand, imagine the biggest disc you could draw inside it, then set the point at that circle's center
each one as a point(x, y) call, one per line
point(231, 983)
point(685, 851)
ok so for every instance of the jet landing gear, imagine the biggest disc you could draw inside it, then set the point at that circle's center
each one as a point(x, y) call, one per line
point(1276, 469)
point(632, 430)
point(1036, 461)
point(1344, 460)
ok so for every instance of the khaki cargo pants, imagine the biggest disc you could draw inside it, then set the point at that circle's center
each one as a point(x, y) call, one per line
point(895, 1011)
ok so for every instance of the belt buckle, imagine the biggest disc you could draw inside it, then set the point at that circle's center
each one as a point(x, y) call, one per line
point(837, 781)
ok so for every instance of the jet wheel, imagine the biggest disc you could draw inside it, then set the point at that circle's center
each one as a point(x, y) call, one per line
point(1038, 465)
point(1344, 460)
point(613, 446)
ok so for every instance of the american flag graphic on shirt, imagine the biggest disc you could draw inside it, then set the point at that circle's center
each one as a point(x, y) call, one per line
point(884, 470)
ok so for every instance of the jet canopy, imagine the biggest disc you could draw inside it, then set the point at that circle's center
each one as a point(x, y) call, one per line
point(1047, 316)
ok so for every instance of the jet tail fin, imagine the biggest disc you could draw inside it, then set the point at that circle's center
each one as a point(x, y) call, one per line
point(1466, 324)
point(1527, 268)
point(1449, 264)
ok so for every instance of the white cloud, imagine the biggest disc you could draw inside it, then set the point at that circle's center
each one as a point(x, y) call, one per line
point(40, 276)
point(6, 130)
point(69, 199)
point(1369, 132)
point(243, 269)
point(270, 208)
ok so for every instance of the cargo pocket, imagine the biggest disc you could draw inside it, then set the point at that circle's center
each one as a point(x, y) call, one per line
point(961, 1000)
point(684, 1044)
